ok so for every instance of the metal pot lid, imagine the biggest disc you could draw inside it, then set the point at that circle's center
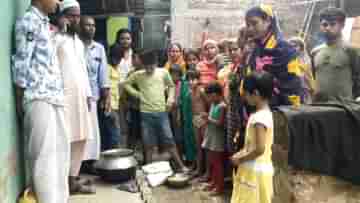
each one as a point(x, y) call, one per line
point(117, 153)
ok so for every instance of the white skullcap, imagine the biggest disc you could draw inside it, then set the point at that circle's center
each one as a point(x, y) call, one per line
point(65, 4)
point(209, 41)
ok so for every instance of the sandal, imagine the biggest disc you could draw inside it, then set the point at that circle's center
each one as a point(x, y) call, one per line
point(194, 174)
point(83, 181)
point(87, 189)
point(76, 188)
point(207, 186)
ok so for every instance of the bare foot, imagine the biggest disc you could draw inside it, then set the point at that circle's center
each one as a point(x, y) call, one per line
point(204, 179)
point(215, 192)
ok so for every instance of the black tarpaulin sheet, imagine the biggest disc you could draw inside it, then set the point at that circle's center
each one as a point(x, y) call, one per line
point(325, 138)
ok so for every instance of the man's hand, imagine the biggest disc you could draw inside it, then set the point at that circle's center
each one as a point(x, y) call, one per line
point(89, 103)
point(102, 103)
point(105, 94)
point(20, 111)
point(107, 104)
point(19, 92)
point(357, 99)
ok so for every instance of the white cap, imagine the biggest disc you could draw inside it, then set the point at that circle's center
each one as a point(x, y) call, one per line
point(65, 4)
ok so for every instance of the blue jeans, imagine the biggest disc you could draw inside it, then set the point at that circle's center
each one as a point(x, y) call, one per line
point(156, 129)
point(111, 133)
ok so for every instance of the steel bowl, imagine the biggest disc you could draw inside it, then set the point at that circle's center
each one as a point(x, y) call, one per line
point(178, 180)
point(117, 165)
point(116, 159)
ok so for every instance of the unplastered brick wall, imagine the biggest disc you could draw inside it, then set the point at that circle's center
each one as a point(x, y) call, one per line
point(227, 17)
point(291, 15)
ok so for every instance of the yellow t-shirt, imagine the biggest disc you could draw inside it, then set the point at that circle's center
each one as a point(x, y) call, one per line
point(151, 89)
point(114, 76)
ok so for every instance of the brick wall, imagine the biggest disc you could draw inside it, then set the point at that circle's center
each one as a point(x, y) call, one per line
point(189, 16)
point(227, 16)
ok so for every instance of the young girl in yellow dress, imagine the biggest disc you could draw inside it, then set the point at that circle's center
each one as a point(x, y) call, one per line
point(253, 178)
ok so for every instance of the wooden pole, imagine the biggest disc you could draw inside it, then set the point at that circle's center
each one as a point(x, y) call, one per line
point(127, 7)
point(343, 4)
point(103, 6)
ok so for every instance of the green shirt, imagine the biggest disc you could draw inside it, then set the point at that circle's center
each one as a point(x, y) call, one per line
point(333, 72)
point(152, 89)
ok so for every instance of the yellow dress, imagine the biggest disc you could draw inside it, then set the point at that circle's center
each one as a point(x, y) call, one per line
point(253, 180)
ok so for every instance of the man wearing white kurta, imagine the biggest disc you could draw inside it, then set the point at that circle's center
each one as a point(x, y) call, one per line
point(40, 104)
point(99, 82)
point(77, 92)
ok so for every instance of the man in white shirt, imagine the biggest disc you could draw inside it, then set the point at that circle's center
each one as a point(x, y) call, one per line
point(71, 54)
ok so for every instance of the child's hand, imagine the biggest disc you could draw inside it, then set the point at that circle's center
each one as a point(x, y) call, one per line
point(204, 115)
point(236, 138)
point(236, 158)
point(178, 118)
point(170, 106)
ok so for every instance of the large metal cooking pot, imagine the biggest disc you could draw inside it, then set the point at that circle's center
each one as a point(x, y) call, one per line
point(117, 165)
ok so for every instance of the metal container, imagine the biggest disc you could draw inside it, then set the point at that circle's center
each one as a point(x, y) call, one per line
point(117, 165)
point(178, 180)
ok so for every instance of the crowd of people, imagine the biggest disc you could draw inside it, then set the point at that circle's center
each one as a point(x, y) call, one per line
point(209, 108)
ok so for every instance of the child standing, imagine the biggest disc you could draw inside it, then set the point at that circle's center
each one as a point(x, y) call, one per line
point(253, 179)
point(214, 141)
point(111, 136)
point(185, 107)
point(199, 116)
point(192, 58)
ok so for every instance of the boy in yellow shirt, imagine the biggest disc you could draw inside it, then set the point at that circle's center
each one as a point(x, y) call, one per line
point(152, 83)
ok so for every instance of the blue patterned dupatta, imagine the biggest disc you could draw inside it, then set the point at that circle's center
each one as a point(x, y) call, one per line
point(275, 55)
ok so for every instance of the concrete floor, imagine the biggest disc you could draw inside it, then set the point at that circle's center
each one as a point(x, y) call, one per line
point(190, 194)
point(106, 193)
